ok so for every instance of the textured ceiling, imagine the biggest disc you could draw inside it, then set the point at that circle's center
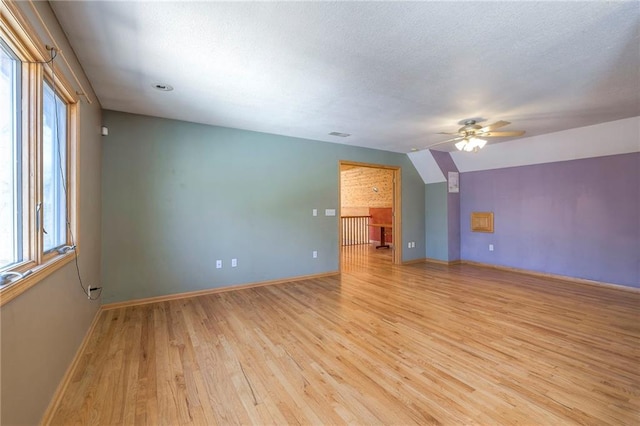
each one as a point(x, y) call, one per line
point(392, 74)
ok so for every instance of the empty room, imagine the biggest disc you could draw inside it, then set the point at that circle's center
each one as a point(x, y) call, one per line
point(279, 213)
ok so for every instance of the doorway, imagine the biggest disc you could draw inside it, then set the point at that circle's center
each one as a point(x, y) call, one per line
point(370, 209)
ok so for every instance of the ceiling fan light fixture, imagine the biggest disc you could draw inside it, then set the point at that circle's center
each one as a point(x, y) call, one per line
point(477, 143)
point(471, 144)
point(460, 145)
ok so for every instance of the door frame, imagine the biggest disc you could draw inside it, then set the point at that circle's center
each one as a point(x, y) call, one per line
point(396, 213)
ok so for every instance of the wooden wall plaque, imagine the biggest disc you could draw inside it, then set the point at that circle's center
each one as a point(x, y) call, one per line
point(482, 221)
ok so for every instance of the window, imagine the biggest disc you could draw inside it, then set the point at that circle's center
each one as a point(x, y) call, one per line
point(10, 160)
point(37, 157)
point(54, 174)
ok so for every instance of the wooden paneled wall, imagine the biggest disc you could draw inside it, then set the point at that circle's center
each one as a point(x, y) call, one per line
point(357, 193)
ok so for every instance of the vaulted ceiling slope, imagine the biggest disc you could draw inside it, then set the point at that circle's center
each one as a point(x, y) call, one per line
point(391, 74)
point(598, 140)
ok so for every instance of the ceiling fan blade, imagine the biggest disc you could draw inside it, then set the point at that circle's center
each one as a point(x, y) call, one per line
point(443, 142)
point(447, 133)
point(502, 134)
point(493, 126)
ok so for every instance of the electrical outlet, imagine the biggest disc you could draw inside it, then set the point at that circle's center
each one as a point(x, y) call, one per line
point(315, 254)
point(218, 264)
point(409, 245)
point(234, 263)
point(490, 247)
point(314, 212)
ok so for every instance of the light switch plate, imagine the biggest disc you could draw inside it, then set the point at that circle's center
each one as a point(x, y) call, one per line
point(330, 212)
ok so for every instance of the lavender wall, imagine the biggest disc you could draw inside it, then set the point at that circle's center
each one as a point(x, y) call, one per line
point(446, 164)
point(578, 218)
point(453, 222)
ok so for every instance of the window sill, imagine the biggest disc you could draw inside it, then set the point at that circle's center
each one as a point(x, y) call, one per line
point(40, 272)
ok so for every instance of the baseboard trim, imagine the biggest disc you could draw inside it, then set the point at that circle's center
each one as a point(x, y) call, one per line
point(414, 261)
point(188, 294)
point(68, 375)
point(442, 262)
point(553, 276)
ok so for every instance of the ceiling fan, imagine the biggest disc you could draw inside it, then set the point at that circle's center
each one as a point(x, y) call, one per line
point(470, 137)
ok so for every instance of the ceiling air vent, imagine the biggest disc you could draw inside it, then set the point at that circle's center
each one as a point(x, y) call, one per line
point(341, 135)
point(163, 87)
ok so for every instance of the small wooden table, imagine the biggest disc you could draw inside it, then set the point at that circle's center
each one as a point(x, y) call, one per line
point(382, 226)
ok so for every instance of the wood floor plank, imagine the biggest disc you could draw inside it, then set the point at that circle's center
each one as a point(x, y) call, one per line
point(379, 344)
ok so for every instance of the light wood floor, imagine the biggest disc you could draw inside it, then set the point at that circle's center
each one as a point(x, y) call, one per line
point(418, 344)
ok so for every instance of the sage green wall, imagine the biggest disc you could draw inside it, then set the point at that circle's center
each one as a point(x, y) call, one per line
point(42, 329)
point(177, 196)
point(436, 238)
